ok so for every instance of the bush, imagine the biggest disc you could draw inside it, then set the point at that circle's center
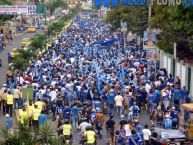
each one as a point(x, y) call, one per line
point(38, 41)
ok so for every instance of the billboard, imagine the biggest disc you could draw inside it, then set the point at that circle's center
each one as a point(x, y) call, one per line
point(18, 9)
point(149, 40)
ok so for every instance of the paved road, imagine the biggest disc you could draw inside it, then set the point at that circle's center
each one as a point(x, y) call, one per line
point(16, 43)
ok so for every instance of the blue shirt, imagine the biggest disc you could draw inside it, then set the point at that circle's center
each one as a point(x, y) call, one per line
point(9, 123)
point(134, 138)
point(41, 119)
point(167, 123)
point(176, 94)
point(184, 93)
point(75, 111)
point(67, 112)
point(110, 98)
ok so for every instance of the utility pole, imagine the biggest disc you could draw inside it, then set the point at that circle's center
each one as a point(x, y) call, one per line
point(149, 13)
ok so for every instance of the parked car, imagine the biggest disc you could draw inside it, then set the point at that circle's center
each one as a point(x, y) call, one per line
point(26, 42)
point(31, 29)
point(162, 136)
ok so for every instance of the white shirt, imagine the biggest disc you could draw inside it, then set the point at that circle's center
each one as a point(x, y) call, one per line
point(146, 134)
point(147, 88)
point(53, 95)
point(118, 100)
point(127, 130)
point(20, 80)
point(83, 126)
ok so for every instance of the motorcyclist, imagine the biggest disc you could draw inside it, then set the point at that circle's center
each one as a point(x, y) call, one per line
point(67, 131)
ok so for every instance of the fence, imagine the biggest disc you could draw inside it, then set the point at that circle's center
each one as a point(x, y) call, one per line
point(177, 68)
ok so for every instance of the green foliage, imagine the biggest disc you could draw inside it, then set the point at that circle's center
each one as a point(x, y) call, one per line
point(5, 17)
point(57, 26)
point(25, 135)
point(6, 2)
point(136, 18)
point(38, 41)
point(176, 23)
point(19, 63)
point(46, 134)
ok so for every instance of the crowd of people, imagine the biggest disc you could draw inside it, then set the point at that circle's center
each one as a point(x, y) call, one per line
point(88, 81)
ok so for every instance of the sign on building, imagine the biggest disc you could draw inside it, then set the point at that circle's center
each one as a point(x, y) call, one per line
point(18, 9)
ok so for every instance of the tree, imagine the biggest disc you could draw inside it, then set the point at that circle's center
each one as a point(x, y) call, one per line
point(176, 23)
point(38, 41)
point(136, 18)
point(6, 2)
point(58, 4)
point(4, 18)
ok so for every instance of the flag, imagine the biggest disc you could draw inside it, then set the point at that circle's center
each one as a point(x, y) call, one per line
point(107, 3)
point(98, 3)
point(115, 2)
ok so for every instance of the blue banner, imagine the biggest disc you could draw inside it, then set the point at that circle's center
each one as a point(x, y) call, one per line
point(98, 3)
point(115, 2)
point(107, 3)
point(124, 2)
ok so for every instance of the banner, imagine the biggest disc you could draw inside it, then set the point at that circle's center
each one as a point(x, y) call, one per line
point(124, 2)
point(98, 3)
point(27, 93)
point(17, 9)
point(107, 3)
point(115, 2)
point(149, 40)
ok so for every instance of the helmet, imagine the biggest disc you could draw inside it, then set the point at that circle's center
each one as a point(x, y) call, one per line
point(66, 121)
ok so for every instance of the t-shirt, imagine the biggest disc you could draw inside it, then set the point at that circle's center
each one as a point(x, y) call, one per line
point(110, 124)
point(119, 100)
point(184, 93)
point(146, 134)
point(110, 98)
point(122, 122)
point(167, 123)
point(41, 119)
point(75, 111)
point(83, 126)
point(67, 112)
point(176, 94)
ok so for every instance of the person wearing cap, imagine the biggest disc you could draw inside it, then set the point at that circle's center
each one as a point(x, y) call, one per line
point(9, 123)
point(167, 122)
point(9, 103)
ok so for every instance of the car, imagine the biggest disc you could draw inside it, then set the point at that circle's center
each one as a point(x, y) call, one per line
point(31, 29)
point(168, 137)
point(26, 42)
point(14, 52)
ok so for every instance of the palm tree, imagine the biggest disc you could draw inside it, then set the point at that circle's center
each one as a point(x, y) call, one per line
point(46, 135)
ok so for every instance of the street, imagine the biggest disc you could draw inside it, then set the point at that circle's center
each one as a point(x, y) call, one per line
point(16, 43)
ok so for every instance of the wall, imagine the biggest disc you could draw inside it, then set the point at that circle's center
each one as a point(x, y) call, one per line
point(178, 68)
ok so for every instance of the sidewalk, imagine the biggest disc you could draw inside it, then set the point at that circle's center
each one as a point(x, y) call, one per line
point(16, 43)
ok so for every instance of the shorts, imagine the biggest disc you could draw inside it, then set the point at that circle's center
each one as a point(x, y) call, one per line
point(110, 131)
